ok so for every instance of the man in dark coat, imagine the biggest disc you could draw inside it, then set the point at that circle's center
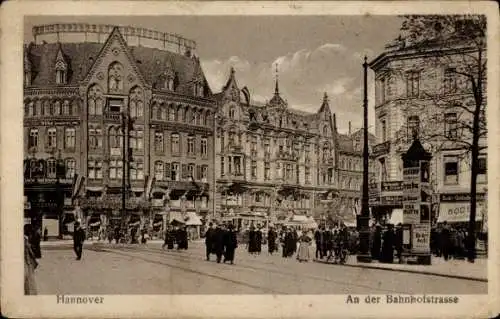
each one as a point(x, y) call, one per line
point(399, 242)
point(271, 240)
point(327, 245)
point(230, 244)
point(182, 238)
point(78, 239)
point(209, 240)
point(218, 242)
point(318, 238)
point(45, 234)
point(444, 240)
point(388, 245)
point(252, 240)
point(258, 240)
point(289, 243)
point(169, 238)
point(117, 234)
point(377, 242)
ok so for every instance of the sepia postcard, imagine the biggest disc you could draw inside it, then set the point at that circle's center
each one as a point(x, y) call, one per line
point(249, 159)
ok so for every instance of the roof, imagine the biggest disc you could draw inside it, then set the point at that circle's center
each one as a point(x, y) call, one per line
point(80, 56)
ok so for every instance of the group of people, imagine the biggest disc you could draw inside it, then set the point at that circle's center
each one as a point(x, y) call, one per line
point(334, 243)
point(176, 236)
point(449, 242)
point(385, 241)
point(222, 241)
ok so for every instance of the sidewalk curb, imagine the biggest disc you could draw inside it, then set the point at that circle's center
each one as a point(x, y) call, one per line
point(422, 272)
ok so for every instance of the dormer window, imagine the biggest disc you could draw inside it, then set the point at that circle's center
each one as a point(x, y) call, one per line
point(198, 90)
point(169, 84)
point(27, 78)
point(61, 68)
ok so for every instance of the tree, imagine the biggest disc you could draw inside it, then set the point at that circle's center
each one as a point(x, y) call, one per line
point(457, 42)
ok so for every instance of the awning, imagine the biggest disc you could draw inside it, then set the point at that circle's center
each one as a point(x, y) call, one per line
point(457, 212)
point(193, 219)
point(396, 216)
point(176, 217)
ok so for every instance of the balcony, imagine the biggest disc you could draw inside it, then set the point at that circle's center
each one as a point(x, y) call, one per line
point(115, 117)
point(284, 155)
point(381, 149)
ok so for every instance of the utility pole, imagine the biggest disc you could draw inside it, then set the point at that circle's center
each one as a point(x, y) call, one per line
point(364, 231)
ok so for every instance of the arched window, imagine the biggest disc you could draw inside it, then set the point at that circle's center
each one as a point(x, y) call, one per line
point(136, 102)
point(46, 108)
point(52, 137)
point(115, 77)
point(413, 126)
point(325, 130)
point(171, 113)
point(179, 114)
point(163, 112)
point(159, 170)
point(205, 118)
point(115, 137)
point(57, 108)
point(37, 110)
point(232, 112)
point(154, 110)
point(51, 168)
point(95, 100)
point(175, 142)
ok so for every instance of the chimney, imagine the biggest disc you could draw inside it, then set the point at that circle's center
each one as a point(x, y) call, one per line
point(349, 127)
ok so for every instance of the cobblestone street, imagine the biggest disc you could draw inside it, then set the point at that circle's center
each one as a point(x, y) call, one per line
point(111, 269)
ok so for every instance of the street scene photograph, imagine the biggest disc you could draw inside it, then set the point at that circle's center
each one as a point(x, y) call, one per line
point(226, 155)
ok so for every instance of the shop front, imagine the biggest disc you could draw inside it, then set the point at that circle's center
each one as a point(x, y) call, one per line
point(386, 202)
point(454, 209)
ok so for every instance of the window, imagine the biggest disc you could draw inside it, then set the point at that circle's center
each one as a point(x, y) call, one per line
point(204, 148)
point(232, 112)
point(450, 81)
point(70, 165)
point(413, 127)
point(163, 113)
point(254, 169)
point(135, 103)
point(27, 78)
point(115, 138)
point(222, 166)
point(204, 173)
point(267, 146)
point(171, 113)
point(383, 129)
point(94, 169)
point(325, 153)
point(279, 170)
point(325, 130)
point(69, 138)
point(253, 145)
point(33, 138)
point(95, 138)
point(307, 175)
point(232, 138)
point(451, 170)
point(95, 100)
point(381, 90)
point(237, 165)
point(175, 143)
point(52, 137)
point(159, 171)
point(222, 141)
point(51, 168)
point(169, 83)
point(330, 175)
point(159, 142)
point(190, 145)
point(412, 84)
point(267, 171)
point(205, 119)
point(60, 77)
point(307, 152)
point(115, 105)
point(383, 170)
point(56, 110)
point(450, 125)
point(190, 171)
point(288, 172)
point(115, 77)
point(481, 166)
point(174, 175)
point(115, 169)
point(136, 171)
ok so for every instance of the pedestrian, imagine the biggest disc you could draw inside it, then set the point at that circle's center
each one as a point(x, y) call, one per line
point(45, 234)
point(182, 238)
point(318, 238)
point(327, 242)
point(377, 242)
point(388, 245)
point(230, 244)
point(399, 242)
point(36, 238)
point(252, 240)
point(271, 240)
point(30, 264)
point(78, 239)
point(303, 251)
point(283, 238)
point(289, 243)
point(445, 241)
point(169, 239)
point(117, 234)
point(218, 242)
point(258, 240)
point(209, 240)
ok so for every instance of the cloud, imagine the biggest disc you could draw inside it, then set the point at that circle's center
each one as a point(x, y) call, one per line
point(304, 76)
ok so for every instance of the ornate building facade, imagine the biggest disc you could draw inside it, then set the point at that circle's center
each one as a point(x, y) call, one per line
point(87, 88)
point(273, 161)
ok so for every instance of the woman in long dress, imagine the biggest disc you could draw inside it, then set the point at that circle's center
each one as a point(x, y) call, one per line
point(304, 243)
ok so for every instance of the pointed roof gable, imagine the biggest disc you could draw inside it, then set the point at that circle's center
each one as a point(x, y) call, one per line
point(325, 107)
point(416, 152)
point(231, 81)
point(115, 36)
point(60, 63)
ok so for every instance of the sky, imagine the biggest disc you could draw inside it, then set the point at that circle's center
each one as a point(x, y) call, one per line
point(314, 54)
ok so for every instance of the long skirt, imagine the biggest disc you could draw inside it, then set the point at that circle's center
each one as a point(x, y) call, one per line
point(29, 281)
point(303, 252)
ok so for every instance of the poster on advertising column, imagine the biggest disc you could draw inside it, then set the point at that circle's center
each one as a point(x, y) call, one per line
point(420, 239)
point(411, 213)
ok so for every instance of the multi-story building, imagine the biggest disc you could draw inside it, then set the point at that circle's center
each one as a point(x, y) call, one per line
point(274, 161)
point(86, 87)
point(421, 93)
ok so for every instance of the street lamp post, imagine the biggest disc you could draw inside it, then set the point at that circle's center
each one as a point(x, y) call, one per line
point(364, 232)
point(214, 175)
point(124, 166)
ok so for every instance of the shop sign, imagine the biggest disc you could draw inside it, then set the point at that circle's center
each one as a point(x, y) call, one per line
point(411, 214)
point(47, 180)
point(457, 212)
point(460, 197)
point(392, 186)
point(421, 238)
point(391, 200)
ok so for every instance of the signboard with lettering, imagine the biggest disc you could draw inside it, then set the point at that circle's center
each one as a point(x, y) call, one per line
point(391, 200)
point(457, 212)
point(459, 197)
point(392, 186)
point(421, 238)
point(47, 180)
point(411, 213)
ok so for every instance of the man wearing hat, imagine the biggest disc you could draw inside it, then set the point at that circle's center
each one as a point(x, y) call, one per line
point(78, 239)
point(209, 240)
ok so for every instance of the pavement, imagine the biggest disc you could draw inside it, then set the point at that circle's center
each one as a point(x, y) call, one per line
point(148, 269)
point(459, 269)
